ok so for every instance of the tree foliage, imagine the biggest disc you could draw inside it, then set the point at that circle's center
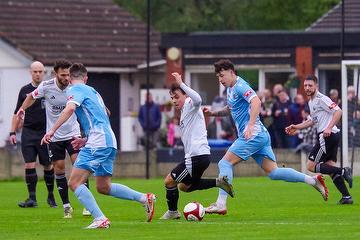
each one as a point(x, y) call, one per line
point(229, 15)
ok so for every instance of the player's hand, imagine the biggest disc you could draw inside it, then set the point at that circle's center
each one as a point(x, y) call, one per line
point(291, 130)
point(47, 137)
point(248, 131)
point(78, 142)
point(20, 114)
point(12, 139)
point(177, 77)
point(327, 132)
point(207, 112)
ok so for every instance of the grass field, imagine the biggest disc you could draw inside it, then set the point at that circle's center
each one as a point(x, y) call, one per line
point(261, 209)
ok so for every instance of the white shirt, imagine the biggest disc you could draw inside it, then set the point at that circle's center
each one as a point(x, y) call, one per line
point(192, 125)
point(55, 102)
point(322, 109)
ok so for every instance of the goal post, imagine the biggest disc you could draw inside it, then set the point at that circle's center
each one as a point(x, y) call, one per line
point(350, 120)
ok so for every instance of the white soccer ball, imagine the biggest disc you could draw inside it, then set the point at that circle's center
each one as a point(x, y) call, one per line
point(194, 211)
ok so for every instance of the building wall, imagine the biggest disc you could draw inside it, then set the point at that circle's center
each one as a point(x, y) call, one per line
point(11, 81)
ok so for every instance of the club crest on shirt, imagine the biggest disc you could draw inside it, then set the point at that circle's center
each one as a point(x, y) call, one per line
point(333, 105)
point(36, 93)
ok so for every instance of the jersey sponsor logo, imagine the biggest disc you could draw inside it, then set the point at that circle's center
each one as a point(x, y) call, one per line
point(333, 105)
point(247, 93)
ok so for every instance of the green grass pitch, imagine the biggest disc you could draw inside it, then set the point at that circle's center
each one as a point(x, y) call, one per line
point(261, 209)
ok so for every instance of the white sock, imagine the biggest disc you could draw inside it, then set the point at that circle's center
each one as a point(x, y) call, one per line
point(66, 205)
point(143, 199)
point(221, 201)
point(310, 180)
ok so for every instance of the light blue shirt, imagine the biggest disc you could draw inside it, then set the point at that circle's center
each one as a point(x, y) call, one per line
point(91, 113)
point(238, 101)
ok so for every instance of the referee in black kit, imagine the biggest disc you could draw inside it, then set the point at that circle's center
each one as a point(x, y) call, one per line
point(33, 129)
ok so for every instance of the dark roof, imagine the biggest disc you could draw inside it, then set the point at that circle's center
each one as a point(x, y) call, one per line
point(97, 33)
point(331, 21)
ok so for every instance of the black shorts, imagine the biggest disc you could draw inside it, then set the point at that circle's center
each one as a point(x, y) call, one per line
point(326, 148)
point(30, 147)
point(57, 150)
point(191, 170)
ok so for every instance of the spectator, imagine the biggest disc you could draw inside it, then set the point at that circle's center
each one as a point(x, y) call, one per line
point(308, 135)
point(351, 99)
point(174, 134)
point(334, 96)
point(151, 126)
point(266, 117)
point(356, 129)
point(295, 116)
point(220, 127)
point(281, 119)
point(277, 89)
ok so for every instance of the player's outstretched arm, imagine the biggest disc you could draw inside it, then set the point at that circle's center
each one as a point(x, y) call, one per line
point(221, 113)
point(291, 130)
point(64, 116)
point(195, 97)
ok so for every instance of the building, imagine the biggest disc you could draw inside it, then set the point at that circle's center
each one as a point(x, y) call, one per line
point(107, 39)
point(269, 57)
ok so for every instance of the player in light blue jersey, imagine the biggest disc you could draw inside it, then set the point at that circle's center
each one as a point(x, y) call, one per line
point(98, 152)
point(253, 138)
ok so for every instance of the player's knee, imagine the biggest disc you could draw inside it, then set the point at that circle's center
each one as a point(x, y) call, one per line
point(72, 185)
point(169, 181)
point(103, 189)
point(310, 166)
point(183, 187)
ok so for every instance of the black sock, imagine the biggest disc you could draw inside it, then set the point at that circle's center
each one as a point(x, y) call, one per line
point(49, 181)
point(31, 179)
point(87, 183)
point(172, 197)
point(327, 169)
point(339, 182)
point(202, 184)
point(62, 187)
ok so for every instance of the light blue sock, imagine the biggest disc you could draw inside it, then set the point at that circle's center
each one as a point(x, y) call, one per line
point(225, 169)
point(87, 199)
point(121, 191)
point(287, 174)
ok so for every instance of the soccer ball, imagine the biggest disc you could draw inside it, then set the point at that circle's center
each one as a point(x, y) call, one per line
point(194, 211)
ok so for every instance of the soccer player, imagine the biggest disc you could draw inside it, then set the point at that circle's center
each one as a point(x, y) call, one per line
point(253, 138)
point(55, 101)
point(324, 114)
point(33, 130)
point(187, 174)
point(99, 152)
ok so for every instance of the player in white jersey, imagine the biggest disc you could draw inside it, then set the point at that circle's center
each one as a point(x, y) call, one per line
point(55, 100)
point(187, 174)
point(99, 151)
point(253, 138)
point(324, 114)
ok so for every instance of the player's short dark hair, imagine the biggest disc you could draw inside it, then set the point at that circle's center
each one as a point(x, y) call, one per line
point(223, 64)
point(311, 77)
point(77, 70)
point(175, 87)
point(61, 63)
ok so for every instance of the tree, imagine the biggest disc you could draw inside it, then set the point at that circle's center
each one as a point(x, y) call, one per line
point(229, 15)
